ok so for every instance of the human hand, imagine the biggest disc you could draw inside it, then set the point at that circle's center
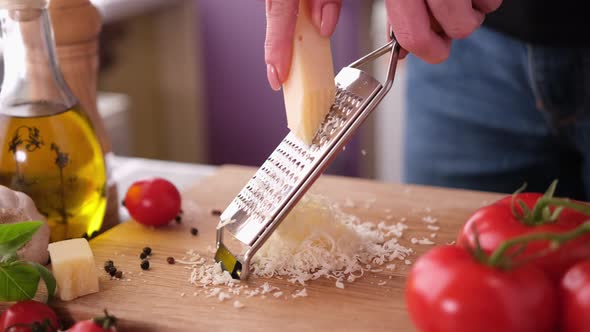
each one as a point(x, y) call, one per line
point(426, 28)
point(422, 27)
point(281, 16)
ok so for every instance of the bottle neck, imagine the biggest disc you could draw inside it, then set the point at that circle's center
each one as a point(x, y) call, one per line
point(31, 72)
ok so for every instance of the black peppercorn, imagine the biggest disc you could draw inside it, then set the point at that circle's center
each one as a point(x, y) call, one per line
point(145, 264)
point(112, 271)
point(143, 255)
point(147, 250)
point(194, 231)
point(178, 219)
point(123, 202)
point(119, 275)
point(216, 212)
point(170, 260)
point(108, 264)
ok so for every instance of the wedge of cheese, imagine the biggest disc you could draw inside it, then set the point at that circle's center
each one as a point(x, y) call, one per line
point(72, 264)
point(309, 90)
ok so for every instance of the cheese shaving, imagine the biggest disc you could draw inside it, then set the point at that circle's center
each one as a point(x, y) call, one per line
point(300, 293)
point(423, 241)
point(223, 296)
point(429, 220)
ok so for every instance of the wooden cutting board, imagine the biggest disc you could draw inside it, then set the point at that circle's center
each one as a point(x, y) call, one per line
point(161, 299)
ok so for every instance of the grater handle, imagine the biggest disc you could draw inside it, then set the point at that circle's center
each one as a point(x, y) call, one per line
point(373, 55)
point(392, 47)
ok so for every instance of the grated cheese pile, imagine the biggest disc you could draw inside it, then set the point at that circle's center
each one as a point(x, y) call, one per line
point(318, 239)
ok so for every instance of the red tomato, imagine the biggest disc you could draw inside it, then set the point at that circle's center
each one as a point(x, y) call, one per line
point(90, 326)
point(448, 290)
point(575, 297)
point(496, 223)
point(106, 323)
point(153, 202)
point(28, 316)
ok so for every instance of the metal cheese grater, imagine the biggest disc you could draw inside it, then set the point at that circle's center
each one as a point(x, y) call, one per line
point(293, 167)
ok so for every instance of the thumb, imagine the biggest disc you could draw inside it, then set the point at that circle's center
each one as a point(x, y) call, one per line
point(281, 16)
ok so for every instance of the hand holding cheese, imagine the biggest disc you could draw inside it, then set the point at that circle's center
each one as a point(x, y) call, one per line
point(309, 89)
point(72, 262)
point(281, 16)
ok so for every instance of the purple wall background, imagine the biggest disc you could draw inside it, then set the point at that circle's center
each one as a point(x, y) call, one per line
point(246, 119)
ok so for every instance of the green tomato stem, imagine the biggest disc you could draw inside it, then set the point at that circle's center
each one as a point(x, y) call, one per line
point(541, 214)
point(498, 257)
point(564, 202)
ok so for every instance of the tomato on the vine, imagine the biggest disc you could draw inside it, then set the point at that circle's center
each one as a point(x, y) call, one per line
point(28, 316)
point(153, 202)
point(449, 290)
point(506, 219)
point(575, 298)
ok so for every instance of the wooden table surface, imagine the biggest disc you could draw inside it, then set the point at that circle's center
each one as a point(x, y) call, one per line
point(161, 299)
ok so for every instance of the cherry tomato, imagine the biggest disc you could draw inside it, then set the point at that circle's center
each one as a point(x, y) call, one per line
point(496, 223)
point(28, 316)
point(153, 202)
point(575, 298)
point(106, 323)
point(448, 290)
point(90, 326)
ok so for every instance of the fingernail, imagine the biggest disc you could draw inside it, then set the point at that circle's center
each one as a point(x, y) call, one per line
point(273, 77)
point(329, 19)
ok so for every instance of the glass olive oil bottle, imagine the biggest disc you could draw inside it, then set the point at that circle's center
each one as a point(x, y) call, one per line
point(48, 148)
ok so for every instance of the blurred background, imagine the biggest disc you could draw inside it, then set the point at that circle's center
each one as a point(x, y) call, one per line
point(185, 80)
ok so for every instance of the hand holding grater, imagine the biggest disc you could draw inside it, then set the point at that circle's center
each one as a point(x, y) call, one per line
point(293, 167)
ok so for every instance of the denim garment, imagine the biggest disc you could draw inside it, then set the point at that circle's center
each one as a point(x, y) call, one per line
point(499, 113)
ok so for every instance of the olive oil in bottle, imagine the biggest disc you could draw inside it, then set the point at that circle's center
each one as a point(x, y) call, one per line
point(48, 148)
point(53, 155)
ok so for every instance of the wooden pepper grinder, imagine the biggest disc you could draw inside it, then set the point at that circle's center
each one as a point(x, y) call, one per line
point(76, 27)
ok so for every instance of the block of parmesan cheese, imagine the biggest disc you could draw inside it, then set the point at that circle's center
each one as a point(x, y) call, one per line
point(72, 264)
point(309, 90)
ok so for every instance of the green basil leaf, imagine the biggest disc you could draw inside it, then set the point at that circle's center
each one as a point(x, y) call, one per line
point(14, 236)
point(47, 278)
point(18, 281)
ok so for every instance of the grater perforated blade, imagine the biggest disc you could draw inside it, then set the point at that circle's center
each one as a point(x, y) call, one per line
point(292, 168)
